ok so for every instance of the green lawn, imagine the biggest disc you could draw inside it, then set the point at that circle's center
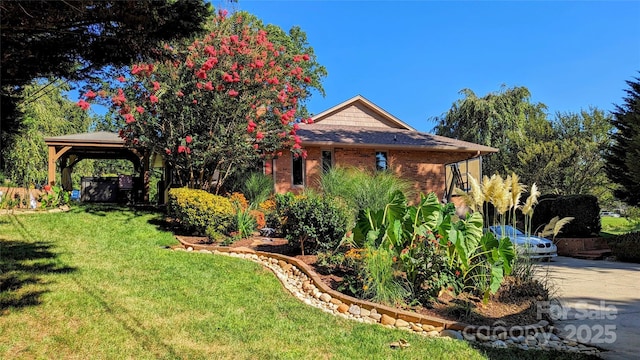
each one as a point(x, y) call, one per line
point(617, 226)
point(98, 283)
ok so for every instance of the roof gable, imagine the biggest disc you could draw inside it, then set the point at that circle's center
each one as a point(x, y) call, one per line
point(359, 112)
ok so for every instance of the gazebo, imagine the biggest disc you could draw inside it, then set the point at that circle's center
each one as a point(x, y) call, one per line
point(68, 150)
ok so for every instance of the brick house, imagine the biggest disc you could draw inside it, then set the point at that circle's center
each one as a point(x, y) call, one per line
point(358, 133)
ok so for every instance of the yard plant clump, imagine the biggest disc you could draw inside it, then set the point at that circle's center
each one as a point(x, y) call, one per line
point(424, 254)
point(200, 211)
point(626, 247)
point(311, 222)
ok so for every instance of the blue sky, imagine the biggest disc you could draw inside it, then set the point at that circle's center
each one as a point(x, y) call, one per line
point(413, 57)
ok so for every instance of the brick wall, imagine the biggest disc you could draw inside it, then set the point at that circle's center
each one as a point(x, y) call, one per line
point(425, 169)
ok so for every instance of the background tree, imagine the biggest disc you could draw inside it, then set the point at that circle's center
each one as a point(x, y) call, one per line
point(552, 154)
point(562, 156)
point(76, 39)
point(218, 105)
point(623, 156)
point(48, 113)
point(489, 120)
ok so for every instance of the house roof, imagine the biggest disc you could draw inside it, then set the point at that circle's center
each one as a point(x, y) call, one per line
point(384, 138)
point(367, 108)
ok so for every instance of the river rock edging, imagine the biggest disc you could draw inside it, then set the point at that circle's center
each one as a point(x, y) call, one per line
point(302, 282)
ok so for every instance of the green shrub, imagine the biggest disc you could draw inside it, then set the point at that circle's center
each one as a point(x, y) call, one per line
point(312, 222)
point(200, 211)
point(626, 247)
point(583, 208)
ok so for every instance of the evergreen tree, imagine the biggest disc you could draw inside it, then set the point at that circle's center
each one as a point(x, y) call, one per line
point(624, 154)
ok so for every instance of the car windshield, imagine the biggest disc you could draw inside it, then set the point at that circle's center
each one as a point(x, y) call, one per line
point(506, 230)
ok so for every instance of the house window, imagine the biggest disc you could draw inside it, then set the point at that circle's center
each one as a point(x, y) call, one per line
point(381, 161)
point(327, 161)
point(298, 170)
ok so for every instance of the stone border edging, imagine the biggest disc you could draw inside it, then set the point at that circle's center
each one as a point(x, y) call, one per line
point(304, 284)
point(24, 211)
point(394, 313)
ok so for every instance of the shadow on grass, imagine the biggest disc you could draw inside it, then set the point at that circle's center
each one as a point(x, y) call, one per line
point(102, 209)
point(22, 268)
point(140, 330)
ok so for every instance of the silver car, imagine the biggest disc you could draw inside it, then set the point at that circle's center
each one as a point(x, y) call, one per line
point(532, 246)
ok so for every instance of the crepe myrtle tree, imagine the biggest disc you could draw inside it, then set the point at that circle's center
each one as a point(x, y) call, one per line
point(215, 106)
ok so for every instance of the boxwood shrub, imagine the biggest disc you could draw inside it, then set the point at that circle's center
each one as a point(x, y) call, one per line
point(200, 211)
point(626, 247)
point(312, 222)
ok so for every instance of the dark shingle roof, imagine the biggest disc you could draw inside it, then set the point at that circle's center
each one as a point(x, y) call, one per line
point(348, 136)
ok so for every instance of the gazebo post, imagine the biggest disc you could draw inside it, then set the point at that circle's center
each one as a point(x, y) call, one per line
point(52, 166)
point(145, 175)
point(53, 157)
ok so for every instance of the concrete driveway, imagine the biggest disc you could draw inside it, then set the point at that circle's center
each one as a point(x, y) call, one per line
point(599, 303)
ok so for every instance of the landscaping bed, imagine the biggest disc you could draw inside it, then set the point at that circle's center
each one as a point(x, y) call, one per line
point(511, 306)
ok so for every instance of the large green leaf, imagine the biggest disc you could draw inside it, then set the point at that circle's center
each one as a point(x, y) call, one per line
point(430, 209)
point(395, 208)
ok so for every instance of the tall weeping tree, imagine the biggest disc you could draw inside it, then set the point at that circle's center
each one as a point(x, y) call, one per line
point(488, 120)
point(623, 155)
point(47, 113)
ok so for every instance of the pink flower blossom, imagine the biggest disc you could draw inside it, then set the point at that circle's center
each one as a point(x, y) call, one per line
point(208, 86)
point(201, 74)
point(181, 149)
point(156, 86)
point(210, 50)
point(188, 139)
point(140, 109)
point(121, 78)
point(128, 118)
point(180, 93)
point(153, 99)
point(223, 13)
point(305, 57)
point(168, 151)
point(83, 104)
point(90, 95)
point(259, 136)
point(233, 93)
